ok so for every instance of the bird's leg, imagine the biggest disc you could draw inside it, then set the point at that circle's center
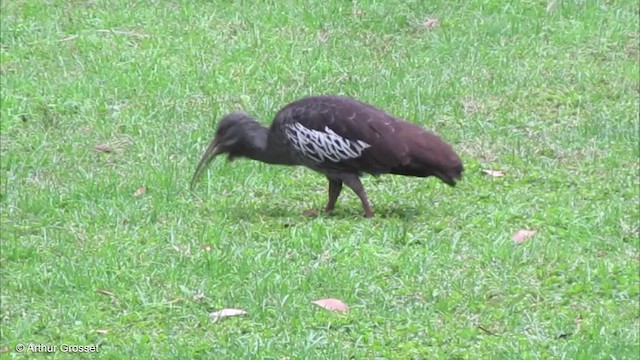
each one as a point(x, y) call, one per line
point(355, 185)
point(335, 187)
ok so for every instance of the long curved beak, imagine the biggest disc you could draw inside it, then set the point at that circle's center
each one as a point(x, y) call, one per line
point(209, 154)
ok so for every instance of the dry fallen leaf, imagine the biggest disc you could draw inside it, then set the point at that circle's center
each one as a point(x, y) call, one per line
point(217, 315)
point(105, 292)
point(206, 248)
point(184, 250)
point(4, 350)
point(494, 173)
point(102, 331)
point(578, 322)
point(310, 212)
point(470, 106)
point(431, 23)
point(105, 148)
point(116, 145)
point(331, 304)
point(323, 36)
point(522, 235)
point(141, 190)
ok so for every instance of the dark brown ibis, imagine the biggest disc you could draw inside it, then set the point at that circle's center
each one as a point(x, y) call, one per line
point(339, 137)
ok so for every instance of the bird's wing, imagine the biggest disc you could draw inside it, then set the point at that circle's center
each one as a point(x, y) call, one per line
point(345, 135)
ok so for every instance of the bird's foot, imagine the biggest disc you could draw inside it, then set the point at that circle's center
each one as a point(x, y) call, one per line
point(368, 214)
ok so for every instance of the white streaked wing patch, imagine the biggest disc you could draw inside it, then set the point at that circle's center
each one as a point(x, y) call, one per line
point(321, 145)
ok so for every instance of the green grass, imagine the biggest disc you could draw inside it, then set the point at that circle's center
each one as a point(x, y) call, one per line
point(434, 275)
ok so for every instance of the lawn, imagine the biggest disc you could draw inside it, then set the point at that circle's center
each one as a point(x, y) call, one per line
point(107, 106)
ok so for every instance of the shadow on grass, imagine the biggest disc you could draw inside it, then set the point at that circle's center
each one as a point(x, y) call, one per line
point(298, 213)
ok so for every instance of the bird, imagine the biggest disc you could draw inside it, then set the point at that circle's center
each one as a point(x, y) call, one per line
point(340, 137)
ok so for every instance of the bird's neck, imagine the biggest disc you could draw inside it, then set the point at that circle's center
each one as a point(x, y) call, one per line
point(267, 150)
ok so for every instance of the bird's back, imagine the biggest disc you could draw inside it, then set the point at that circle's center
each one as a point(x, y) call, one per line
point(334, 134)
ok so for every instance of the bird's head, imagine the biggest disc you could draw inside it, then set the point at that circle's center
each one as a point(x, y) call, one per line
point(452, 171)
point(237, 135)
point(446, 163)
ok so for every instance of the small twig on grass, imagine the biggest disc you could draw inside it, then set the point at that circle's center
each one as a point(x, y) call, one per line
point(485, 330)
point(120, 32)
point(68, 38)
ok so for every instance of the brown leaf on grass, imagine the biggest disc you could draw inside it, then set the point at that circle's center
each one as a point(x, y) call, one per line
point(431, 23)
point(4, 350)
point(494, 173)
point(578, 322)
point(521, 236)
point(184, 250)
point(310, 212)
point(141, 190)
point(105, 292)
point(116, 145)
point(323, 36)
point(102, 331)
point(206, 248)
point(331, 304)
point(105, 148)
point(470, 106)
point(217, 315)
